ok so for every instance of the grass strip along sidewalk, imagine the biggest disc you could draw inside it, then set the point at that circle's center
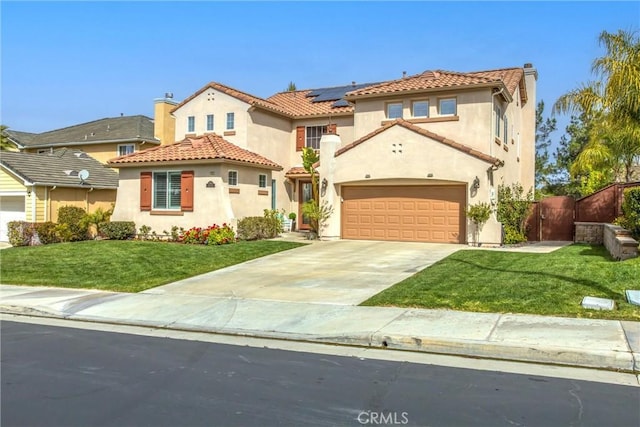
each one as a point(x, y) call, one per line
point(510, 282)
point(123, 266)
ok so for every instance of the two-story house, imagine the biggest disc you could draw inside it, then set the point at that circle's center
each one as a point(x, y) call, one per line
point(400, 159)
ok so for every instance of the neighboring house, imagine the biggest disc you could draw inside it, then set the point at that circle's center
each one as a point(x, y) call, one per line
point(412, 154)
point(102, 139)
point(33, 186)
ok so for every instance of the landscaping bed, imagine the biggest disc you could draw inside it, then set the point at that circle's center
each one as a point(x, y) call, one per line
point(550, 284)
point(123, 266)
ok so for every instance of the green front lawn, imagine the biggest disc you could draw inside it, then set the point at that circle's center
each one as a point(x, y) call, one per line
point(509, 282)
point(123, 266)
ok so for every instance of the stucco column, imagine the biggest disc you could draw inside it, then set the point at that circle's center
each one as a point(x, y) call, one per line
point(328, 192)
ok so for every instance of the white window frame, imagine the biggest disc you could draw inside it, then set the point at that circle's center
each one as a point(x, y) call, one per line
point(388, 110)
point(312, 136)
point(191, 124)
point(231, 121)
point(497, 123)
point(132, 146)
point(168, 206)
point(455, 106)
point(413, 108)
point(506, 129)
point(233, 182)
point(262, 180)
point(210, 123)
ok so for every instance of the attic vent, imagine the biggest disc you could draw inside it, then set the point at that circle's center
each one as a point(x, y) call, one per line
point(71, 173)
point(81, 155)
point(430, 75)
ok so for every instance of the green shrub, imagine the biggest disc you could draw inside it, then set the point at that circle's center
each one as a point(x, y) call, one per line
point(47, 232)
point(274, 221)
point(73, 217)
point(221, 235)
point(513, 235)
point(97, 219)
point(20, 233)
point(255, 228)
point(478, 214)
point(119, 230)
point(630, 218)
point(512, 211)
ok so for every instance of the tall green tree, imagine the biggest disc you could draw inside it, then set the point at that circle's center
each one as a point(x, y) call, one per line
point(544, 128)
point(576, 136)
point(612, 105)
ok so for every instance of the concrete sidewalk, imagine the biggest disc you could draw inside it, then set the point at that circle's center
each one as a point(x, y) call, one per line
point(603, 344)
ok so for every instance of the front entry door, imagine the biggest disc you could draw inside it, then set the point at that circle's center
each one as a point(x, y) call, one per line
point(305, 193)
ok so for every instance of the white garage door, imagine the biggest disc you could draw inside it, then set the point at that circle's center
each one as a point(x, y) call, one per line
point(11, 209)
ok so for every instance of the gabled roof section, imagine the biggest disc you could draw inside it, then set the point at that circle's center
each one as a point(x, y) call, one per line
point(113, 129)
point(405, 124)
point(242, 96)
point(59, 168)
point(206, 147)
point(20, 139)
point(441, 79)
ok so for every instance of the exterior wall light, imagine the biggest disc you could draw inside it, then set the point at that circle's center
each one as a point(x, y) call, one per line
point(476, 183)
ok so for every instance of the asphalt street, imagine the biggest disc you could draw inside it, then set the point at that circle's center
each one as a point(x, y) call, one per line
point(58, 376)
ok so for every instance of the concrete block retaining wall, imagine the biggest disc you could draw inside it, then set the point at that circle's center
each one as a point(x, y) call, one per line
point(589, 232)
point(619, 242)
point(616, 239)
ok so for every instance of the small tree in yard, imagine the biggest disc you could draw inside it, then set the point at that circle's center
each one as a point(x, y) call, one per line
point(478, 214)
point(513, 209)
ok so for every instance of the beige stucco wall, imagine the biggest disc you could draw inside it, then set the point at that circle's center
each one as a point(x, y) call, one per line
point(389, 163)
point(269, 135)
point(211, 205)
point(214, 102)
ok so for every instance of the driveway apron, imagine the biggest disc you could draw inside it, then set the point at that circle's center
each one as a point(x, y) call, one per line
point(340, 272)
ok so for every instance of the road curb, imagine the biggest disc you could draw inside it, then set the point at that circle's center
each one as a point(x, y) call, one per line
point(604, 360)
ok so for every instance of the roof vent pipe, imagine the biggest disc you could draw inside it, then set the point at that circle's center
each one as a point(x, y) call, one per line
point(404, 74)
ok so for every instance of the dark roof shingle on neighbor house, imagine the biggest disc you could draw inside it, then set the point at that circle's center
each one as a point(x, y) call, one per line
point(112, 129)
point(60, 168)
point(207, 147)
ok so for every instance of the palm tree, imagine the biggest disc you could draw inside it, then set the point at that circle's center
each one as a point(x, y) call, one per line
point(612, 105)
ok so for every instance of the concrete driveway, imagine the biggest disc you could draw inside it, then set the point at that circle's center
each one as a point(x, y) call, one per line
point(338, 272)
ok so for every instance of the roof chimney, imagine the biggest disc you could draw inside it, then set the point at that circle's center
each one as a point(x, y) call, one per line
point(353, 83)
point(404, 74)
point(168, 95)
point(528, 65)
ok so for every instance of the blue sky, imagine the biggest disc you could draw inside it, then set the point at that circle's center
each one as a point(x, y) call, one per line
point(65, 63)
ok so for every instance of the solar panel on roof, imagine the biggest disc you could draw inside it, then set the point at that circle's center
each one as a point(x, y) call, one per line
point(340, 103)
point(334, 93)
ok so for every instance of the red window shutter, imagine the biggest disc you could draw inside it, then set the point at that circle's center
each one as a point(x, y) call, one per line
point(186, 190)
point(145, 191)
point(300, 138)
point(332, 129)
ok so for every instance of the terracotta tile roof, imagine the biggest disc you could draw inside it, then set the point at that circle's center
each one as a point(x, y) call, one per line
point(242, 96)
point(300, 104)
point(421, 131)
point(297, 172)
point(440, 79)
point(207, 147)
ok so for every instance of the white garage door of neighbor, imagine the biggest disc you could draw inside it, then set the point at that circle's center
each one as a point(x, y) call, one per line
point(11, 209)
